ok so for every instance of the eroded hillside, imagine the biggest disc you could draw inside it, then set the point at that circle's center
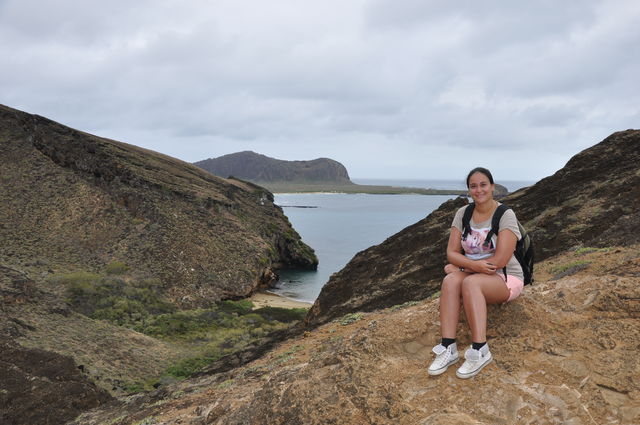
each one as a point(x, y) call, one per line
point(73, 201)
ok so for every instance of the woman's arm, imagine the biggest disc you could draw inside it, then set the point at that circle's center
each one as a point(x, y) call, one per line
point(504, 249)
point(455, 256)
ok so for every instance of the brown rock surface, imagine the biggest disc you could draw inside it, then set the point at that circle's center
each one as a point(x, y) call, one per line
point(565, 353)
point(42, 387)
point(593, 201)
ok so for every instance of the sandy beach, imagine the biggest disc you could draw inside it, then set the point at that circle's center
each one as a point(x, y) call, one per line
point(268, 299)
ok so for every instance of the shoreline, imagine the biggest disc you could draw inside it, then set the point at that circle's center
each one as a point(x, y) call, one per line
point(269, 299)
point(296, 188)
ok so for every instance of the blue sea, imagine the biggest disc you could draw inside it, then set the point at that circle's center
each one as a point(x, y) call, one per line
point(338, 226)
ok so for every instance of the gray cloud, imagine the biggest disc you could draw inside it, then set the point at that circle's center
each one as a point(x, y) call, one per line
point(404, 88)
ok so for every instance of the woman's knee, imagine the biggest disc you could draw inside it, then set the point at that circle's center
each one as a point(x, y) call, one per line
point(484, 285)
point(471, 285)
point(452, 283)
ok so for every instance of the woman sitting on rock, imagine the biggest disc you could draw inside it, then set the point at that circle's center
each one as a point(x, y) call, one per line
point(477, 275)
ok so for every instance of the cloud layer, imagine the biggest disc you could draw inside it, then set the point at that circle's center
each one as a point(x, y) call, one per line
point(403, 88)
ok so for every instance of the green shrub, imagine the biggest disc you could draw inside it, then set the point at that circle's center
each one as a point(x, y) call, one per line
point(187, 367)
point(570, 268)
point(588, 250)
point(116, 267)
point(240, 307)
point(347, 319)
point(111, 298)
point(406, 304)
point(284, 315)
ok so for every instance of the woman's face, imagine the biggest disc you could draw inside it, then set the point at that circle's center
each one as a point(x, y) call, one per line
point(480, 189)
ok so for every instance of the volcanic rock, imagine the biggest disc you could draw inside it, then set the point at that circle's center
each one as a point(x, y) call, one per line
point(42, 387)
point(593, 201)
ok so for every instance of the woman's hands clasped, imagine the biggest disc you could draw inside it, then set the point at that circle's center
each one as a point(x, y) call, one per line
point(479, 266)
point(450, 268)
point(483, 266)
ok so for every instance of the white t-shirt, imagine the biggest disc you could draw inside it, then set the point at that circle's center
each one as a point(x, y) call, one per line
point(473, 246)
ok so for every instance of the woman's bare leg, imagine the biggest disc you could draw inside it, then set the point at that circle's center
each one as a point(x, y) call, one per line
point(450, 303)
point(478, 290)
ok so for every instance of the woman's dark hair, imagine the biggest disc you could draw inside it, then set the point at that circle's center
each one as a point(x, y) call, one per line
point(481, 170)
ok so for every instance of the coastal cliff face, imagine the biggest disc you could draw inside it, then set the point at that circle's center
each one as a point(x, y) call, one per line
point(72, 201)
point(564, 353)
point(593, 201)
point(263, 169)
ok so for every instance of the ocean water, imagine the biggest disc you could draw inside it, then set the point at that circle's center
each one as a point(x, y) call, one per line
point(338, 226)
point(511, 185)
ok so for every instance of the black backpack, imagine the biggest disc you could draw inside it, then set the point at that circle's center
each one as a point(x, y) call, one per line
point(524, 247)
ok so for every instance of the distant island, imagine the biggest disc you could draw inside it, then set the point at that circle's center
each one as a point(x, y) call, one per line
point(318, 175)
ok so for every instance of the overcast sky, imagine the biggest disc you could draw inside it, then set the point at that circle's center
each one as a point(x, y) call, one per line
point(391, 88)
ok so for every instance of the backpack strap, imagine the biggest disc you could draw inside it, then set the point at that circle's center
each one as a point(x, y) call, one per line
point(495, 228)
point(466, 220)
point(495, 222)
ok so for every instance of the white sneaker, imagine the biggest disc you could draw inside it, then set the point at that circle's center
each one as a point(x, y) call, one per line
point(475, 360)
point(445, 357)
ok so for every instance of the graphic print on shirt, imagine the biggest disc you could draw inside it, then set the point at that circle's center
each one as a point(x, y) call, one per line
point(474, 244)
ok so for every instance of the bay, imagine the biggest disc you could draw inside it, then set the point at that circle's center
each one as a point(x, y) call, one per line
point(338, 226)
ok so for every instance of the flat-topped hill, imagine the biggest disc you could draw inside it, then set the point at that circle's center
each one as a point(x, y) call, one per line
point(318, 175)
point(259, 168)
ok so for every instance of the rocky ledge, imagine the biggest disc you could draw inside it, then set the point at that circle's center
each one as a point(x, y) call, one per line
point(42, 387)
point(593, 201)
point(564, 353)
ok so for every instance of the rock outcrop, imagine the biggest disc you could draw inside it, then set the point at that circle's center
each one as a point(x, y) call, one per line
point(564, 353)
point(593, 201)
point(255, 167)
point(70, 200)
point(42, 387)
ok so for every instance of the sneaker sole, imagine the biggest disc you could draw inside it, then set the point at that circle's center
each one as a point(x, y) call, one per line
point(443, 369)
point(475, 372)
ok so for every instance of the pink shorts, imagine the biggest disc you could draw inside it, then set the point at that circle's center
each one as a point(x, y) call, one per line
point(514, 284)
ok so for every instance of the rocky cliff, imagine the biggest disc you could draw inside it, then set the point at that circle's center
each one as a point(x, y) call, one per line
point(593, 201)
point(565, 353)
point(73, 201)
point(260, 168)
